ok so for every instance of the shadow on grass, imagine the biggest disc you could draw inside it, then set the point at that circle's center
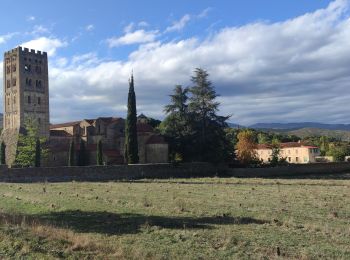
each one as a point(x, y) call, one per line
point(112, 223)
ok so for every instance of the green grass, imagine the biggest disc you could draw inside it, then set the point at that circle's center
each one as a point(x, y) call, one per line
point(177, 219)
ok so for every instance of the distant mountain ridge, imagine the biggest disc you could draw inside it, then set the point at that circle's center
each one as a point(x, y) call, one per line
point(303, 129)
point(233, 125)
point(301, 125)
point(306, 132)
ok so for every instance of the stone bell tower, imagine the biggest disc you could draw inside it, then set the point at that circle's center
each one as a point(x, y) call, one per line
point(25, 95)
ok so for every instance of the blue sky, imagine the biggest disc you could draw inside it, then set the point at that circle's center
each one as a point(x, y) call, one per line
point(271, 61)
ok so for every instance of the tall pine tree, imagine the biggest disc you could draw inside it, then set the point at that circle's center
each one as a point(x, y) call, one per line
point(210, 139)
point(131, 145)
point(176, 126)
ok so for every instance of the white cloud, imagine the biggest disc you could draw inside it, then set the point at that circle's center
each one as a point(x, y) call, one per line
point(61, 62)
point(204, 13)
point(31, 18)
point(129, 28)
point(85, 59)
point(179, 25)
point(277, 72)
point(294, 70)
point(89, 27)
point(1, 69)
point(40, 29)
point(143, 24)
point(6, 37)
point(139, 36)
point(50, 45)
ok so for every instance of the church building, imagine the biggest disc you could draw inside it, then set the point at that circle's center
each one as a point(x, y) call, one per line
point(26, 96)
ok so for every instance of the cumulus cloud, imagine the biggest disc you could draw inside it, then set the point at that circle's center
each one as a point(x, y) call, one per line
point(138, 36)
point(40, 29)
point(129, 27)
point(89, 28)
point(31, 18)
point(143, 24)
point(4, 38)
point(50, 45)
point(293, 70)
point(204, 13)
point(1, 77)
point(179, 25)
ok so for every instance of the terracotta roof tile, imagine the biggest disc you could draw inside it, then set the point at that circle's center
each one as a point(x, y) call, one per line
point(65, 124)
point(286, 145)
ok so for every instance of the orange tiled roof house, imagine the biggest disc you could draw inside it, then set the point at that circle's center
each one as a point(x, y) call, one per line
point(294, 152)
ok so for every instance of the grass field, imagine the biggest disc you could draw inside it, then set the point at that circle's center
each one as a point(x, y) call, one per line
point(177, 219)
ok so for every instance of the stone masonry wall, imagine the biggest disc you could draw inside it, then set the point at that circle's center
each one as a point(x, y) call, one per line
point(129, 172)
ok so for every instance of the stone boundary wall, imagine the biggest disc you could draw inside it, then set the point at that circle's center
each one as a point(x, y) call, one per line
point(297, 170)
point(107, 173)
point(165, 171)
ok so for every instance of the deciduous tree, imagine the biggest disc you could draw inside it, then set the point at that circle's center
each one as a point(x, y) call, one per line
point(246, 147)
point(28, 144)
point(37, 153)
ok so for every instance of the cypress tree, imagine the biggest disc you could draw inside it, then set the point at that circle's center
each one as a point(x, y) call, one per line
point(82, 154)
point(99, 156)
point(131, 145)
point(2, 153)
point(71, 159)
point(37, 153)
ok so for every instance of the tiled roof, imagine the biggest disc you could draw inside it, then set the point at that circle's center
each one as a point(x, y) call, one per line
point(286, 145)
point(263, 146)
point(65, 124)
point(291, 145)
point(90, 121)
